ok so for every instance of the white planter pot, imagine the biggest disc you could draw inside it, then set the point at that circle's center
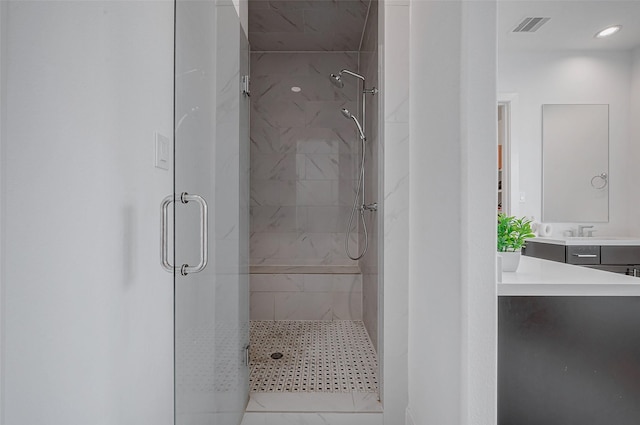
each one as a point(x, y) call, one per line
point(510, 260)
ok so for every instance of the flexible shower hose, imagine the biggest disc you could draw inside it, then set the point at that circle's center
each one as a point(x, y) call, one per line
point(353, 212)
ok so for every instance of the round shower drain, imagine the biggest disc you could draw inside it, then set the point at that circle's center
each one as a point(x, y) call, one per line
point(276, 356)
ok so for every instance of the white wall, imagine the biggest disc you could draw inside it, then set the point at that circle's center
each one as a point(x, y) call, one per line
point(3, 91)
point(568, 77)
point(394, 112)
point(452, 293)
point(634, 145)
point(87, 310)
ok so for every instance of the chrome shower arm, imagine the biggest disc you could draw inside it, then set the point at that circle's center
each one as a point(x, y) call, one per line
point(346, 71)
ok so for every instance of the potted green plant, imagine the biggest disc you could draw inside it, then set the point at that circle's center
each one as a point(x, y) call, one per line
point(512, 235)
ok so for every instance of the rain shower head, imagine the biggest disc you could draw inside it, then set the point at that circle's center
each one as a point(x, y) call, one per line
point(336, 80)
point(349, 115)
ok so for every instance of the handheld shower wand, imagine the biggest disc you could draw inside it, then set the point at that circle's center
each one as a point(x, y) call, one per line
point(349, 115)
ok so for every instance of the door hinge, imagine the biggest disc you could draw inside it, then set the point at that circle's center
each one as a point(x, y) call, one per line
point(247, 357)
point(245, 86)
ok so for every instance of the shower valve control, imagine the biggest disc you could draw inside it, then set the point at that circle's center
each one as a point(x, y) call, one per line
point(371, 207)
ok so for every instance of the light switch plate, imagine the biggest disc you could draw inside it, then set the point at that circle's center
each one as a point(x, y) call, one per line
point(163, 154)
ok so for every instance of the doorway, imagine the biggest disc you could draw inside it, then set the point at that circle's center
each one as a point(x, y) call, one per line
point(504, 116)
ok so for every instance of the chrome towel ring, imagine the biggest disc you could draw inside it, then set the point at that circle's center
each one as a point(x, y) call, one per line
point(600, 181)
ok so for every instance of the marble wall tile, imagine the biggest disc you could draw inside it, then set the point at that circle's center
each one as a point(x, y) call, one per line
point(282, 41)
point(303, 306)
point(327, 114)
point(265, 88)
point(354, 7)
point(301, 4)
point(274, 167)
point(307, 296)
point(325, 64)
point(326, 219)
point(314, 245)
point(311, 140)
point(265, 193)
point(266, 140)
point(279, 20)
point(338, 23)
point(347, 191)
point(288, 245)
point(316, 87)
point(263, 245)
point(274, 219)
point(301, 402)
point(277, 282)
point(321, 167)
point(317, 192)
point(268, 88)
point(262, 306)
point(349, 141)
point(346, 306)
point(277, 63)
point(268, 418)
point(318, 282)
point(351, 283)
point(349, 170)
point(327, 19)
point(259, 4)
point(347, 283)
point(278, 114)
point(288, 193)
point(302, 164)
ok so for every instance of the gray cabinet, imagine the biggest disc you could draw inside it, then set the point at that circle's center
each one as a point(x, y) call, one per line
point(617, 259)
point(583, 255)
point(546, 251)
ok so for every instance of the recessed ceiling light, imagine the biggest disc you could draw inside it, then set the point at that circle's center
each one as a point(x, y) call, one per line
point(296, 89)
point(608, 31)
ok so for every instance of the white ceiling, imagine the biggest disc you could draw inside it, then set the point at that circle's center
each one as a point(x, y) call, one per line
point(572, 26)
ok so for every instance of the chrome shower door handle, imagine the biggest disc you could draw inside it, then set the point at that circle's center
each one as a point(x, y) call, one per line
point(164, 230)
point(185, 269)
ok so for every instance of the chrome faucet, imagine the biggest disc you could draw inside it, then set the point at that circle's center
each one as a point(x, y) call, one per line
point(581, 230)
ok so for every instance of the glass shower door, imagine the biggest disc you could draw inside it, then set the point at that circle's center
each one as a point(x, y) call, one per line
point(211, 304)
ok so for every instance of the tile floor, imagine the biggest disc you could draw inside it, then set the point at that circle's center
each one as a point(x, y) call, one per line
point(318, 357)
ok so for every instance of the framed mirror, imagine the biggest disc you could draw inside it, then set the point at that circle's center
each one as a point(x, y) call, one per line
point(575, 163)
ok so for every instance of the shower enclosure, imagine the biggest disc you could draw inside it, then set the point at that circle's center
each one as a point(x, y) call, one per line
point(314, 307)
point(106, 109)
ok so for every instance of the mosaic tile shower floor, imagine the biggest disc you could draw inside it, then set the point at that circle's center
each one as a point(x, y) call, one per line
point(318, 356)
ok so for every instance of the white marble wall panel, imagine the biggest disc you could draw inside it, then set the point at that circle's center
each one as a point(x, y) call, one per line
point(306, 297)
point(262, 306)
point(303, 155)
point(279, 113)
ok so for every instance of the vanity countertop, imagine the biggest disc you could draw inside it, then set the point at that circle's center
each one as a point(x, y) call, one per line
point(592, 240)
point(537, 277)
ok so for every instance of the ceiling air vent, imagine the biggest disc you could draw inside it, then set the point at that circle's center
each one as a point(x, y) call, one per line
point(530, 24)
